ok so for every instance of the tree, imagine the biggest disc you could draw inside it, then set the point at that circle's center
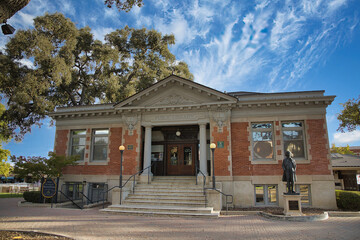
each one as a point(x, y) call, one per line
point(125, 5)
point(350, 116)
point(68, 68)
point(5, 167)
point(39, 167)
point(341, 150)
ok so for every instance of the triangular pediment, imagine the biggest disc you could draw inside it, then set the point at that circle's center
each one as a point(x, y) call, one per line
point(175, 91)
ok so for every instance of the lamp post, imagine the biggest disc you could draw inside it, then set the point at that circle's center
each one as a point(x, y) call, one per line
point(212, 147)
point(121, 148)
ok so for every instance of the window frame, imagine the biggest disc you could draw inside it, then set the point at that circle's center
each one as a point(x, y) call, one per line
point(93, 136)
point(72, 136)
point(302, 128)
point(273, 159)
point(266, 196)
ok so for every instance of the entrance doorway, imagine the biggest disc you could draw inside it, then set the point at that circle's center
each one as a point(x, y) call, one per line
point(181, 159)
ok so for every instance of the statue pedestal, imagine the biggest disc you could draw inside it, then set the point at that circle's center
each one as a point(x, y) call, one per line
point(292, 205)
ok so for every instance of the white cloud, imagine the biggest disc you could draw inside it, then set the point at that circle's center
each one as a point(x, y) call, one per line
point(27, 63)
point(67, 8)
point(335, 4)
point(347, 137)
point(99, 33)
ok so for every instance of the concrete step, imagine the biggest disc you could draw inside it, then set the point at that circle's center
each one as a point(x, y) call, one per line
point(161, 214)
point(165, 190)
point(166, 202)
point(166, 196)
point(163, 210)
point(167, 186)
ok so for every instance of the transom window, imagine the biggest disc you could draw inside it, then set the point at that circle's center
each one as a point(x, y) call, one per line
point(100, 140)
point(266, 194)
point(77, 144)
point(294, 138)
point(263, 141)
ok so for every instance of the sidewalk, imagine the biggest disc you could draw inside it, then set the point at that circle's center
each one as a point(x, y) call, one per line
point(90, 224)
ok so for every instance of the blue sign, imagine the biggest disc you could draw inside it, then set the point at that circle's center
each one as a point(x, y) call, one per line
point(48, 189)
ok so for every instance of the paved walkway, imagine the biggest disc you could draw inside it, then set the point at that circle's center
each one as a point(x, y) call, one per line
point(90, 224)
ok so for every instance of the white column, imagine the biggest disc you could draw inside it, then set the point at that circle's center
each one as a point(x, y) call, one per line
point(147, 150)
point(203, 160)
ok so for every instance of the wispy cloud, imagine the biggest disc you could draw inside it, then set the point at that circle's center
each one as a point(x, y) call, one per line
point(99, 33)
point(347, 137)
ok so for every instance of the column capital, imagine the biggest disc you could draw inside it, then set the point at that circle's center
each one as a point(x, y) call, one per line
point(202, 124)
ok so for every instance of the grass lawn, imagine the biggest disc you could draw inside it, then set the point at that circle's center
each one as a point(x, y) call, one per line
point(11, 195)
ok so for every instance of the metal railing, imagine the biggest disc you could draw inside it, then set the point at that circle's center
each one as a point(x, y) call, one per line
point(226, 197)
point(204, 178)
point(133, 187)
point(224, 194)
point(70, 199)
point(86, 197)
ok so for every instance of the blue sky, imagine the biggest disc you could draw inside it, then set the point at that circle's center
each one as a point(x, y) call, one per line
point(261, 46)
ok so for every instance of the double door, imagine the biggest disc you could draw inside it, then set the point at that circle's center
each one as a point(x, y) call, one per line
point(181, 159)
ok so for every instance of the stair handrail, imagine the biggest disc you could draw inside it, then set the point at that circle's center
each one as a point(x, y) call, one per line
point(204, 178)
point(86, 197)
point(70, 199)
point(226, 197)
point(132, 176)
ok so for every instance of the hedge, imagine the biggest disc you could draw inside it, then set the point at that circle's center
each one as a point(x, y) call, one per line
point(348, 200)
point(34, 197)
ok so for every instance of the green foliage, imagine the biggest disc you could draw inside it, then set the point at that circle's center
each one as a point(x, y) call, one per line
point(5, 167)
point(341, 150)
point(350, 116)
point(39, 167)
point(69, 68)
point(11, 195)
point(33, 196)
point(124, 5)
point(348, 200)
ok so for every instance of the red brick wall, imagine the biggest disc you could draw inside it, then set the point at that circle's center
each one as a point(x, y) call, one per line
point(221, 154)
point(112, 168)
point(318, 150)
point(130, 156)
point(61, 142)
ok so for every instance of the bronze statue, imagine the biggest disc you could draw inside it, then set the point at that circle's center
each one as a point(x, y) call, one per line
point(289, 175)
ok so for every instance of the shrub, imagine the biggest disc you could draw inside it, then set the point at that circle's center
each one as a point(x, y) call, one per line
point(348, 200)
point(34, 197)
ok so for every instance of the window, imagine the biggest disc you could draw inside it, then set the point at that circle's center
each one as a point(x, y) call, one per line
point(100, 139)
point(304, 190)
point(294, 139)
point(96, 192)
point(77, 143)
point(266, 195)
point(262, 140)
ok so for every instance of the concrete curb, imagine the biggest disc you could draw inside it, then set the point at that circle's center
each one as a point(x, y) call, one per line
point(42, 205)
point(343, 214)
point(236, 213)
point(310, 218)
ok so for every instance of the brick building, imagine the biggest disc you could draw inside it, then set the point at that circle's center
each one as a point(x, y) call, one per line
point(172, 124)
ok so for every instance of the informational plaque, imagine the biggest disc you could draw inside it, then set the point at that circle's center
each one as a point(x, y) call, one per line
point(48, 189)
point(293, 205)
